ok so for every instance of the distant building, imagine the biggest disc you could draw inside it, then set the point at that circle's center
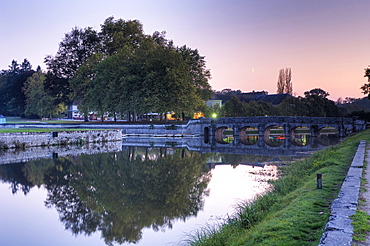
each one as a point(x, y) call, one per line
point(73, 112)
point(249, 96)
point(2, 119)
point(222, 98)
point(274, 99)
point(243, 97)
point(211, 103)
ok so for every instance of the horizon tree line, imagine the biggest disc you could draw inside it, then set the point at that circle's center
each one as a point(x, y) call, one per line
point(37, 102)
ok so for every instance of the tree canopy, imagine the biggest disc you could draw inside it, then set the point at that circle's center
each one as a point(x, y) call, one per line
point(311, 105)
point(115, 70)
point(317, 92)
point(37, 101)
point(122, 69)
point(12, 101)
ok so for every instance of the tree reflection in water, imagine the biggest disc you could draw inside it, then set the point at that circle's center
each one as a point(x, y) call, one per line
point(119, 193)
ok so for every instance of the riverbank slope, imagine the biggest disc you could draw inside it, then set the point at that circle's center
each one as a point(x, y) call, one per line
point(294, 212)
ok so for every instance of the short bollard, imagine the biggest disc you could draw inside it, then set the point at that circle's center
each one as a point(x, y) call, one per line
point(319, 180)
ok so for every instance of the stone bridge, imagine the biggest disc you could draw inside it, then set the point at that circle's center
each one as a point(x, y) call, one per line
point(239, 125)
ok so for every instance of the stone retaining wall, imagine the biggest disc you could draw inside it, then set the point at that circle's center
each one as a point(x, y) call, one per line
point(33, 139)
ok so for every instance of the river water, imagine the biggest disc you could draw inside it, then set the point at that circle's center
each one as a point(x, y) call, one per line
point(147, 192)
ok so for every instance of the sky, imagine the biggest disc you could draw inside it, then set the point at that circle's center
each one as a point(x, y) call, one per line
point(245, 42)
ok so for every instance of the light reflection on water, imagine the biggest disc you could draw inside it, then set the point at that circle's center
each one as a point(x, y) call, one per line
point(228, 186)
point(126, 186)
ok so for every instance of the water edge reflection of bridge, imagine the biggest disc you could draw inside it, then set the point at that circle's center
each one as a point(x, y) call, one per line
point(197, 144)
point(190, 143)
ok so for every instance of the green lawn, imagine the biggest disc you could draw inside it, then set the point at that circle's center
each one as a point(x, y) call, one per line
point(18, 120)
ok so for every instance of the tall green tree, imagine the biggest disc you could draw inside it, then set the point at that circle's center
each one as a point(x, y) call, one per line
point(76, 47)
point(3, 98)
point(12, 80)
point(121, 68)
point(14, 68)
point(199, 74)
point(84, 87)
point(25, 66)
point(317, 92)
point(321, 107)
point(293, 106)
point(115, 34)
point(37, 101)
point(235, 108)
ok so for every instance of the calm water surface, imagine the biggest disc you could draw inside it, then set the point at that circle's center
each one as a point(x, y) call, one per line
point(139, 195)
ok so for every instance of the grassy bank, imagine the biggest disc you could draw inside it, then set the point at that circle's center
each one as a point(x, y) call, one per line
point(294, 212)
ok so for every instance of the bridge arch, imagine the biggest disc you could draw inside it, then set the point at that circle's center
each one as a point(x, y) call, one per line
point(248, 135)
point(206, 132)
point(300, 135)
point(221, 137)
point(276, 138)
point(328, 135)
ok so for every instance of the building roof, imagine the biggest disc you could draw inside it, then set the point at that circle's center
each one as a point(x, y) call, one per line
point(243, 97)
point(274, 99)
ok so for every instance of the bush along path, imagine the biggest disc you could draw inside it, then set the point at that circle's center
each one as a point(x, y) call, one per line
point(294, 211)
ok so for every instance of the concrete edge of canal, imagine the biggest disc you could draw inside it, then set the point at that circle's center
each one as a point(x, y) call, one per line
point(339, 229)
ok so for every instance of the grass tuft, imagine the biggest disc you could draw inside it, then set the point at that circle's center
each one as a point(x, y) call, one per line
point(361, 226)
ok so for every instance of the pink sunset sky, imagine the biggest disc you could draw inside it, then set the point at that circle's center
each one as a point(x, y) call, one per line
point(326, 43)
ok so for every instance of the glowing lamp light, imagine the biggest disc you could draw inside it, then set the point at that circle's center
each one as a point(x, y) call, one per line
point(214, 115)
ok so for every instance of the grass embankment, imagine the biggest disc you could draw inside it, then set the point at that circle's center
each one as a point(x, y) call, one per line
point(294, 212)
